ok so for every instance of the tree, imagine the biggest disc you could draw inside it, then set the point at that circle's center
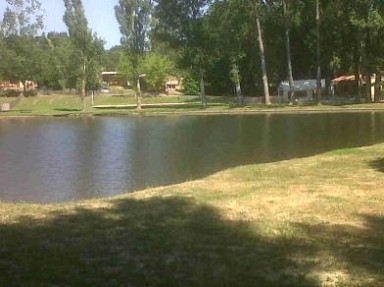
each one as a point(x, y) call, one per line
point(182, 24)
point(288, 49)
point(21, 56)
point(23, 60)
point(22, 17)
point(156, 68)
point(318, 53)
point(61, 66)
point(227, 26)
point(134, 18)
point(255, 8)
point(81, 38)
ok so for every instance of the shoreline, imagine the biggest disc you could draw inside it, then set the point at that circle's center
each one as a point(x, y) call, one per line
point(249, 111)
point(268, 218)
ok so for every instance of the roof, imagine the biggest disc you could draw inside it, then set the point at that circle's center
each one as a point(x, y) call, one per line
point(109, 73)
point(346, 78)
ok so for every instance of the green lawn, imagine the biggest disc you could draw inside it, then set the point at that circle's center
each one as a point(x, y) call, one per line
point(315, 221)
point(71, 105)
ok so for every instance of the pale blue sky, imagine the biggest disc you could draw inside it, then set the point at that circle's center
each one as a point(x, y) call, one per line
point(100, 15)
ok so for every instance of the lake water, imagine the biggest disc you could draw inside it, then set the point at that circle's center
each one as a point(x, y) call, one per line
point(62, 159)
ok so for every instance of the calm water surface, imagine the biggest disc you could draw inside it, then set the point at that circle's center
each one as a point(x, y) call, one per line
point(53, 160)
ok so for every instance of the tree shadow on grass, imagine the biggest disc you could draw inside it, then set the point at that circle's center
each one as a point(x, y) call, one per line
point(356, 249)
point(67, 110)
point(377, 164)
point(168, 242)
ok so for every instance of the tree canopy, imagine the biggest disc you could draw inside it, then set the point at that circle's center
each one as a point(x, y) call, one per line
point(242, 47)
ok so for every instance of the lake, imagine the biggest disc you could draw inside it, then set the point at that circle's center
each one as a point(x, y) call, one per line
point(61, 159)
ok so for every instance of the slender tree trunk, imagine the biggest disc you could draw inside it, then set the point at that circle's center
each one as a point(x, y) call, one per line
point(288, 51)
point(263, 62)
point(93, 98)
point(202, 89)
point(83, 86)
point(318, 53)
point(239, 96)
point(368, 74)
point(23, 93)
point(368, 84)
point(358, 58)
point(235, 76)
point(378, 88)
point(138, 94)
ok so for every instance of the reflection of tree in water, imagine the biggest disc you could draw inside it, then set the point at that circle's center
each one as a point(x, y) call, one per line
point(177, 242)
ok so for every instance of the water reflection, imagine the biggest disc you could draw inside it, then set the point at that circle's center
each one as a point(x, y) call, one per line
point(51, 160)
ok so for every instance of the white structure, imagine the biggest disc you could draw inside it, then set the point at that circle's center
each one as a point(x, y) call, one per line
point(308, 86)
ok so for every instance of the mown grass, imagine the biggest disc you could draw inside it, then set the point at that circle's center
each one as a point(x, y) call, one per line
point(316, 221)
point(71, 105)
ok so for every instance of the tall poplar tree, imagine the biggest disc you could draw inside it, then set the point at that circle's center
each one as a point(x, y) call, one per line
point(288, 49)
point(255, 9)
point(318, 53)
point(134, 18)
point(81, 38)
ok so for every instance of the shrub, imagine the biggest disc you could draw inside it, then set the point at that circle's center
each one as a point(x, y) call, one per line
point(157, 68)
point(10, 93)
point(190, 85)
point(30, 93)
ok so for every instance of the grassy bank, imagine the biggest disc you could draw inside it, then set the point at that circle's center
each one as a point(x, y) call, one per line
point(67, 105)
point(316, 221)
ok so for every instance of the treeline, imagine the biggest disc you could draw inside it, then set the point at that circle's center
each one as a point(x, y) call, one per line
point(242, 47)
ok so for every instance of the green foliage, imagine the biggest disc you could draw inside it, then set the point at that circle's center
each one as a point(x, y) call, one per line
point(10, 93)
point(22, 17)
point(183, 25)
point(23, 60)
point(156, 68)
point(190, 85)
point(134, 18)
point(125, 68)
point(60, 68)
point(111, 58)
point(88, 48)
point(30, 93)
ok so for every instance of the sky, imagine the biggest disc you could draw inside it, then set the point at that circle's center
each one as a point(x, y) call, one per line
point(100, 15)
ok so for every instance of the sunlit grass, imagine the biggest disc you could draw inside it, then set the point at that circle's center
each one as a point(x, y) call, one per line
point(117, 104)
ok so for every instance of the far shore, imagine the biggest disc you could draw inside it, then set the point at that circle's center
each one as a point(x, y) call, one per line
point(116, 105)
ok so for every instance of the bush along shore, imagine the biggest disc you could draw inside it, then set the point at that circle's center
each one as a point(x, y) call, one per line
point(315, 221)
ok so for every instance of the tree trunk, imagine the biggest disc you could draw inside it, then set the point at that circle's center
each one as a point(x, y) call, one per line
point(93, 98)
point(368, 69)
point(358, 57)
point(378, 88)
point(239, 96)
point(368, 84)
point(318, 53)
point(138, 94)
point(235, 76)
point(263, 62)
point(288, 51)
point(202, 90)
point(23, 93)
point(83, 87)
